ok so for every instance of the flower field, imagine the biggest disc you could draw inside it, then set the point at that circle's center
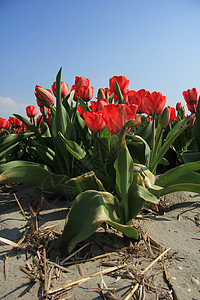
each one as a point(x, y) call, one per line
point(105, 155)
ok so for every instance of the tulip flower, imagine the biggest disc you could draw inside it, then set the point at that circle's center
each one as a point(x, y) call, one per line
point(80, 110)
point(191, 96)
point(116, 116)
point(192, 107)
point(86, 93)
point(31, 111)
point(172, 114)
point(64, 89)
point(154, 103)
point(16, 122)
point(167, 116)
point(98, 105)
point(138, 98)
point(179, 106)
point(80, 81)
point(43, 95)
point(122, 81)
point(4, 123)
point(94, 120)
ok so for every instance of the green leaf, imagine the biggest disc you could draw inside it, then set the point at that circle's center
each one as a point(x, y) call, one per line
point(62, 119)
point(120, 97)
point(86, 181)
point(139, 149)
point(69, 99)
point(34, 174)
point(124, 171)
point(90, 209)
point(172, 135)
point(189, 156)
point(197, 126)
point(73, 148)
point(171, 176)
point(12, 139)
point(83, 105)
point(20, 163)
point(29, 125)
point(189, 187)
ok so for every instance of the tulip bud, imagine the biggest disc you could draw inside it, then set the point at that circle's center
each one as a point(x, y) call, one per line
point(64, 89)
point(164, 117)
point(86, 93)
point(44, 95)
point(101, 94)
point(31, 111)
point(179, 106)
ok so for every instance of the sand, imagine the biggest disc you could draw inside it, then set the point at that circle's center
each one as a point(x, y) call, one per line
point(175, 226)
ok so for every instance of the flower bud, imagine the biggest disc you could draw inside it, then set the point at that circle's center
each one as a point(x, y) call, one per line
point(31, 111)
point(64, 89)
point(44, 95)
point(179, 106)
point(101, 94)
point(164, 117)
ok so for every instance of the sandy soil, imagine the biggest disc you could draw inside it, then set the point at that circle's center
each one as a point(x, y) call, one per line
point(175, 226)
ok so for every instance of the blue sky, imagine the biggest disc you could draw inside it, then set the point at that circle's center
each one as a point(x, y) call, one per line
point(155, 44)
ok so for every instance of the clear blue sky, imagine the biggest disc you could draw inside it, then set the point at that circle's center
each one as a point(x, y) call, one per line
point(155, 44)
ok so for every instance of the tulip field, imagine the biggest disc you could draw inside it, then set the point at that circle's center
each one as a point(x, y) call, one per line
point(109, 154)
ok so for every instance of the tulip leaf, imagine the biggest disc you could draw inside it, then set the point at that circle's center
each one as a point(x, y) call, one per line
point(172, 135)
point(120, 97)
point(90, 209)
point(171, 176)
point(188, 187)
point(29, 125)
point(62, 119)
point(197, 126)
point(124, 171)
point(73, 148)
point(34, 174)
point(86, 181)
point(10, 139)
point(139, 149)
point(83, 105)
point(189, 156)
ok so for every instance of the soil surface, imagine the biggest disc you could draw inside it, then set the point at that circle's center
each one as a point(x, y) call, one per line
point(106, 265)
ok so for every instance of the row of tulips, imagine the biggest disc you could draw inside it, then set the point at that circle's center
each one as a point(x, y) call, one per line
point(103, 153)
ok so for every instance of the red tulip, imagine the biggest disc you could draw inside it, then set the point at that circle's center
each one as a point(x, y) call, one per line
point(139, 99)
point(192, 107)
point(80, 81)
point(94, 120)
point(116, 116)
point(154, 103)
point(179, 106)
point(80, 110)
point(44, 95)
point(31, 111)
point(122, 81)
point(16, 122)
point(98, 105)
point(172, 114)
point(86, 93)
point(64, 89)
point(191, 96)
point(4, 123)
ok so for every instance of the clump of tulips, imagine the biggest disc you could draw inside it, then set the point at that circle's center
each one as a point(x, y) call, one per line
point(103, 153)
